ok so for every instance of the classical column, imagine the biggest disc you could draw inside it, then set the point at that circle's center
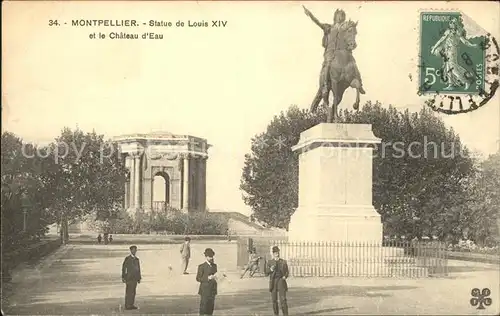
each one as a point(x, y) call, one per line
point(203, 184)
point(125, 192)
point(175, 193)
point(137, 181)
point(146, 188)
point(126, 200)
point(129, 192)
point(185, 184)
point(199, 186)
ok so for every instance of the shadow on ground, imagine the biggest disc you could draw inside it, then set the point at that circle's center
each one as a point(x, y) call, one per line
point(80, 274)
point(459, 269)
point(256, 301)
point(97, 252)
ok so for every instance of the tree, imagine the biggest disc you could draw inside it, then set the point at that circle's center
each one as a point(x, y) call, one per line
point(419, 171)
point(24, 188)
point(89, 178)
point(415, 187)
point(119, 223)
point(270, 173)
point(483, 206)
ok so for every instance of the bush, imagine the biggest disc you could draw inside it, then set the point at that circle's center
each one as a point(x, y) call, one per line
point(176, 222)
point(172, 221)
point(30, 252)
point(122, 223)
point(470, 246)
point(207, 224)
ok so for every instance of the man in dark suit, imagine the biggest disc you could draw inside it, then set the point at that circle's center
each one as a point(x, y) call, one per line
point(206, 275)
point(277, 269)
point(131, 275)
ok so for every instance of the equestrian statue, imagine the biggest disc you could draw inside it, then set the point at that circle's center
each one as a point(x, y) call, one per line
point(339, 70)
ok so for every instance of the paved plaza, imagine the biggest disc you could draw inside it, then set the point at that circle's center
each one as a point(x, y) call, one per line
point(86, 279)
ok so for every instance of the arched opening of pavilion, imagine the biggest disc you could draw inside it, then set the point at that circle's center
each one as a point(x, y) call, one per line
point(161, 191)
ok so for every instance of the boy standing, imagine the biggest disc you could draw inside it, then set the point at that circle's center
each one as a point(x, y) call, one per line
point(185, 254)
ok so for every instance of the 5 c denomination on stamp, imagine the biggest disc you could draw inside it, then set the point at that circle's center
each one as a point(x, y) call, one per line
point(458, 62)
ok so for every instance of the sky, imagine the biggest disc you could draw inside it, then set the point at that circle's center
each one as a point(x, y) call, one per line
point(222, 84)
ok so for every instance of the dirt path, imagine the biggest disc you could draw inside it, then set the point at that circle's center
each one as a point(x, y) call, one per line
point(85, 279)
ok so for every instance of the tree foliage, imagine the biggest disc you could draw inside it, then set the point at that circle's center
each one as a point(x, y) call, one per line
point(483, 206)
point(420, 171)
point(76, 175)
point(421, 178)
point(270, 173)
point(90, 176)
point(24, 188)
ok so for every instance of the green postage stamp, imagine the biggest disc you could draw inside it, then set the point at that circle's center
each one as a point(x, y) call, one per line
point(458, 62)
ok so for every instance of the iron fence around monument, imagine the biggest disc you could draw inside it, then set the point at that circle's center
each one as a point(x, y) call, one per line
point(406, 259)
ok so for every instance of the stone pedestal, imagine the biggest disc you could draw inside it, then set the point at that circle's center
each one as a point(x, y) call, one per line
point(335, 185)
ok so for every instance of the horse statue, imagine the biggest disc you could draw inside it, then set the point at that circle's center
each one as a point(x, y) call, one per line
point(339, 69)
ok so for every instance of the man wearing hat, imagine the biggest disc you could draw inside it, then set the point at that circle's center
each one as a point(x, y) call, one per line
point(208, 283)
point(277, 269)
point(131, 275)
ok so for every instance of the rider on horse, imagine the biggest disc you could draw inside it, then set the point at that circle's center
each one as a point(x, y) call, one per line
point(329, 42)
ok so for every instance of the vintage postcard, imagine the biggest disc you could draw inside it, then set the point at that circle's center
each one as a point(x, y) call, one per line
point(250, 158)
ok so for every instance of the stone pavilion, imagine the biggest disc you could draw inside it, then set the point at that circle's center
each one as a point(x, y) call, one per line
point(178, 160)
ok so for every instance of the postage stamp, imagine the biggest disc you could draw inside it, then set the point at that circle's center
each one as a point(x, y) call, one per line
point(458, 62)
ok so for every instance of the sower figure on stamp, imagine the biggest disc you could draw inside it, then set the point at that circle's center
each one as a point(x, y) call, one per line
point(185, 254)
point(277, 269)
point(206, 275)
point(447, 48)
point(131, 276)
point(339, 70)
